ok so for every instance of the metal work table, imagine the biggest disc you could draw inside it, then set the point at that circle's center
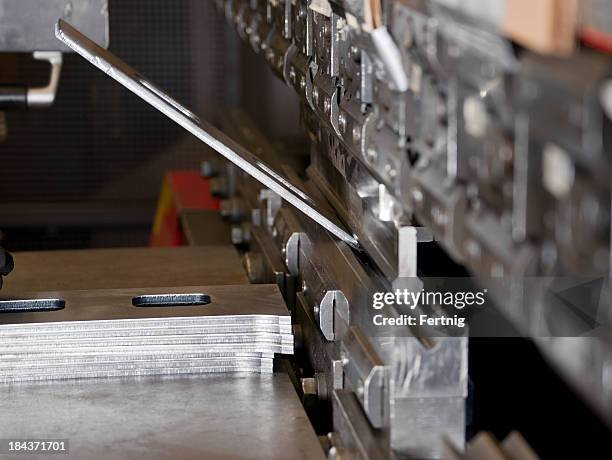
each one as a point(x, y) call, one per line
point(206, 417)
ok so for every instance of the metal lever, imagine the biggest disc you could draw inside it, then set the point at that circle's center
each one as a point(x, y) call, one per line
point(214, 138)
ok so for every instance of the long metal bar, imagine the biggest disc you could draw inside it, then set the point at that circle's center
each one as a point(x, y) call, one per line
point(211, 136)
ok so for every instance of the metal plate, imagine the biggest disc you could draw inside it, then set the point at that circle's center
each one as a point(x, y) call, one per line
point(212, 416)
point(124, 268)
point(217, 140)
point(251, 324)
point(102, 334)
point(270, 347)
point(116, 304)
point(107, 358)
point(27, 25)
point(143, 373)
point(128, 369)
point(170, 341)
point(192, 339)
point(153, 327)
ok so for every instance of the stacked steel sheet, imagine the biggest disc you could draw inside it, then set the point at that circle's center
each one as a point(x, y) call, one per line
point(136, 332)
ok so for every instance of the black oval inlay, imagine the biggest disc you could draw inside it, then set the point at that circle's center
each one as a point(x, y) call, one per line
point(171, 300)
point(31, 305)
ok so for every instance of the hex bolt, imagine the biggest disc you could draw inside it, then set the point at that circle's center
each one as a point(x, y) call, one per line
point(309, 386)
point(315, 386)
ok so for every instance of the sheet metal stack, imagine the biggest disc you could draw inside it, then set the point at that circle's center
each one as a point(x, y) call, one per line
point(137, 332)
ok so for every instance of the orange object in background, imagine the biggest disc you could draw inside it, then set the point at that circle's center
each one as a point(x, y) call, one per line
point(181, 191)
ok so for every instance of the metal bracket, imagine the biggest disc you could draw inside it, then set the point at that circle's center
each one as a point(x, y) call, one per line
point(366, 374)
point(272, 202)
point(45, 96)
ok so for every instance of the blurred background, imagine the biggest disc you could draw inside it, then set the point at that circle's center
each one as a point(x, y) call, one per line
point(91, 175)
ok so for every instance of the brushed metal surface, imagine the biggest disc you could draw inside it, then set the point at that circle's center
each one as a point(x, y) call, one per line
point(27, 25)
point(116, 304)
point(100, 333)
point(46, 372)
point(211, 416)
point(233, 325)
point(124, 268)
